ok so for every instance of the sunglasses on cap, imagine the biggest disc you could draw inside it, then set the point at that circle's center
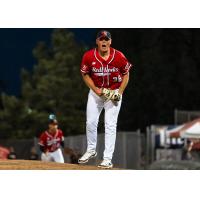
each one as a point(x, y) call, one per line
point(104, 38)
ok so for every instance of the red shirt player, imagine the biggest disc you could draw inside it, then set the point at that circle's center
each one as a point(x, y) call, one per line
point(50, 142)
point(103, 67)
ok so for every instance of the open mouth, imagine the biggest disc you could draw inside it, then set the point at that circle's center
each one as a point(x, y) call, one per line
point(103, 45)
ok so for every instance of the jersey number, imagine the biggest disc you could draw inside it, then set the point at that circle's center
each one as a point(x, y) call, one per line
point(117, 79)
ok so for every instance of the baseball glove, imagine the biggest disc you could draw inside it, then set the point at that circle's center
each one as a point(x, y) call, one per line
point(116, 97)
point(107, 93)
point(111, 94)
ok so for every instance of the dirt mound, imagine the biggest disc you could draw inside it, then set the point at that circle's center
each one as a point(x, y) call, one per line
point(39, 165)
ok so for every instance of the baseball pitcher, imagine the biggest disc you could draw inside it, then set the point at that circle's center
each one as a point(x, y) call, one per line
point(105, 71)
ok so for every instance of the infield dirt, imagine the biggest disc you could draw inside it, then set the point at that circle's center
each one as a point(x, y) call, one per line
point(39, 165)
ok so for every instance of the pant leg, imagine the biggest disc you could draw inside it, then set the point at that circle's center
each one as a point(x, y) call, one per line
point(111, 116)
point(57, 156)
point(47, 157)
point(94, 108)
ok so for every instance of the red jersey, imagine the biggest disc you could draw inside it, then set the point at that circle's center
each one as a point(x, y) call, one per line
point(51, 142)
point(105, 73)
point(4, 152)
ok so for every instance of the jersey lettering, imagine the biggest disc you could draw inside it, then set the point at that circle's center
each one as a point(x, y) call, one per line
point(51, 142)
point(105, 73)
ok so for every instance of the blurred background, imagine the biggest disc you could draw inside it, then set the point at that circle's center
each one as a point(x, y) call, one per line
point(39, 75)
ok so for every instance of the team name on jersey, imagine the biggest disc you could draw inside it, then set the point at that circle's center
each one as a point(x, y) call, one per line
point(104, 70)
point(53, 141)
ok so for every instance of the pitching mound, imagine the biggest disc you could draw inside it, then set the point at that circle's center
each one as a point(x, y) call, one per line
point(39, 165)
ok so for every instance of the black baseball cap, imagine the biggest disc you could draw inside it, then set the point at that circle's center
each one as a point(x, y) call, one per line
point(53, 121)
point(103, 34)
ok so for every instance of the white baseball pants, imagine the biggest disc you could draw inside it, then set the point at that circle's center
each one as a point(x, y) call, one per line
point(55, 156)
point(95, 105)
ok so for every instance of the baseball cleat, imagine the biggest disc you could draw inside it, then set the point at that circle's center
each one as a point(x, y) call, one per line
point(106, 164)
point(87, 156)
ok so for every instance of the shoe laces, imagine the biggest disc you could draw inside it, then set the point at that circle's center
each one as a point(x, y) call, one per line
point(106, 162)
point(88, 154)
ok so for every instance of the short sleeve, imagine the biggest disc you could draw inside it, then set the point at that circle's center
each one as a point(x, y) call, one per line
point(41, 140)
point(62, 136)
point(84, 64)
point(124, 64)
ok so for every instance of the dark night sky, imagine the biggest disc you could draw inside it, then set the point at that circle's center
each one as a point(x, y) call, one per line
point(16, 52)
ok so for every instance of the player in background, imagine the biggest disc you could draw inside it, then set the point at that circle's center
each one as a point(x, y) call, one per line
point(105, 71)
point(50, 142)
